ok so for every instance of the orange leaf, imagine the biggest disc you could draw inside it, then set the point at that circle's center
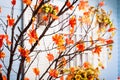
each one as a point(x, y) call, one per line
point(45, 18)
point(36, 71)
point(69, 77)
point(26, 78)
point(53, 73)
point(86, 64)
point(101, 39)
point(82, 5)
point(50, 57)
point(28, 59)
point(2, 54)
point(69, 41)
point(11, 22)
point(58, 39)
point(61, 48)
point(86, 13)
point(33, 35)
point(109, 41)
point(80, 46)
point(62, 78)
point(69, 4)
point(97, 49)
point(111, 29)
point(56, 8)
point(7, 41)
point(72, 21)
point(101, 4)
point(27, 2)
point(72, 69)
point(2, 37)
point(23, 52)
point(4, 77)
point(72, 30)
point(54, 16)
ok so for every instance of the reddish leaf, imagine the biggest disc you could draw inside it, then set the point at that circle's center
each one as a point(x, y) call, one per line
point(72, 21)
point(36, 71)
point(10, 21)
point(2, 37)
point(111, 29)
point(97, 49)
point(86, 64)
point(62, 78)
point(4, 77)
point(80, 46)
point(45, 18)
point(69, 77)
point(109, 41)
point(1, 42)
point(7, 40)
point(72, 69)
point(69, 41)
point(13, 2)
point(53, 73)
point(50, 57)
point(54, 16)
point(56, 8)
point(101, 4)
point(26, 78)
point(2, 54)
point(33, 35)
point(0, 65)
point(23, 52)
point(28, 59)
point(69, 5)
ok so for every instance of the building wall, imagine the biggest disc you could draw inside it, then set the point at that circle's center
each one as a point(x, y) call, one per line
point(113, 68)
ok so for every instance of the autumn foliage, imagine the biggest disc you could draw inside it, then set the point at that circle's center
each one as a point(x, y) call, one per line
point(57, 35)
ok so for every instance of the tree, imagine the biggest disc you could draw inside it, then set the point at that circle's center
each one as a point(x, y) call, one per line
point(96, 37)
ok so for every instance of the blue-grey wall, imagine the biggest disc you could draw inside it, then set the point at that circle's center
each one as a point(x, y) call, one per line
point(111, 72)
point(118, 11)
